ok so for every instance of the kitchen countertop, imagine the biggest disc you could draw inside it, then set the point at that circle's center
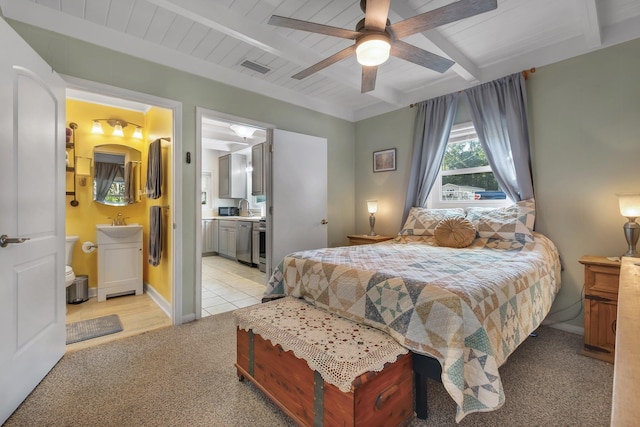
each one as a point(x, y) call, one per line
point(254, 218)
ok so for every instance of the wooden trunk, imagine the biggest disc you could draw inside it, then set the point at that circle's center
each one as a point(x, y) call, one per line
point(376, 398)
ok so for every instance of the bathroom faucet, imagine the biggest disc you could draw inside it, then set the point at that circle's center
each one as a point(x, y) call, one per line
point(120, 220)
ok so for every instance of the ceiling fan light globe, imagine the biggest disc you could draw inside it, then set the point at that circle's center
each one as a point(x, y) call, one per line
point(373, 51)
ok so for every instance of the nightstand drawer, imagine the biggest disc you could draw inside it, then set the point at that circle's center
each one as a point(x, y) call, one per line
point(601, 279)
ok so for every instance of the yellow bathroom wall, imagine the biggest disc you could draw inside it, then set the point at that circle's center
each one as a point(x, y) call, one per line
point(81, 220)
point(159, 122)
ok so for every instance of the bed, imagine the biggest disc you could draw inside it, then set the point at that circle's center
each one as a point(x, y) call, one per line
point(468, 307)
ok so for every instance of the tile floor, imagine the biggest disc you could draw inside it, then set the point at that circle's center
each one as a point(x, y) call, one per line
point(228, 284)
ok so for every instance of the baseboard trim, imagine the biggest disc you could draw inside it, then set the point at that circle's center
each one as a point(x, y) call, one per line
point(566, 327)
point(158, 299)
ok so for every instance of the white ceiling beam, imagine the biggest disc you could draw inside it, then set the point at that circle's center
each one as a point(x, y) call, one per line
point(463, 66)
point(590, 22)
point(263, 37)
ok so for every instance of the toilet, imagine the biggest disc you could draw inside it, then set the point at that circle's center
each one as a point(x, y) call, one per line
point(70, 241)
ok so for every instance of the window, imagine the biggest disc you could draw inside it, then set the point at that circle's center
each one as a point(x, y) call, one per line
point(465, 178)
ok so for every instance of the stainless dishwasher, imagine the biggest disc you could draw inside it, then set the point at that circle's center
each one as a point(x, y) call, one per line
point(243, 241)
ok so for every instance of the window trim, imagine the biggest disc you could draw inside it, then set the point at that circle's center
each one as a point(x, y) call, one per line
point(460, 133)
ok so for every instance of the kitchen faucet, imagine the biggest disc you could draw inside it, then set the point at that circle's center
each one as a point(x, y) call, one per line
point(243, 206)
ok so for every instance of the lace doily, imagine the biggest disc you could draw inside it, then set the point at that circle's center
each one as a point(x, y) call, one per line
point(339, 349)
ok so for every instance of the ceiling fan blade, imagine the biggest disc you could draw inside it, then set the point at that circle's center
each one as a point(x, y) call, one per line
point(368, 78)
point(312, 27)
point(376, 14)
point(420, 57)
point(326, 62)
point(443, 15)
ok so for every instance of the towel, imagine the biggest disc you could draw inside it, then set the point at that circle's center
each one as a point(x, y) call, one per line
point(154, 171)
point(155, 235)
point(130, 183)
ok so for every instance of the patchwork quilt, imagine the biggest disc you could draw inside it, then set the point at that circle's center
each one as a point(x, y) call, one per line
point(469, 308)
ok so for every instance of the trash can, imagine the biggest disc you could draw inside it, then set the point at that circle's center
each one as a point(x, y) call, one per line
point(78, 291)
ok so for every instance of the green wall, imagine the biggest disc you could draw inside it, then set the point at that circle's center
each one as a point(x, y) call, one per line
point(585, 146)
point(79, 59)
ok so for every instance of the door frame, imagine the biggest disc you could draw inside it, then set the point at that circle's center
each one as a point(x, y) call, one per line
point(176, 202)
point(201, 113)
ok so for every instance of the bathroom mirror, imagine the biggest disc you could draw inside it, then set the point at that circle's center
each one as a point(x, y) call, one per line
point(117, 177)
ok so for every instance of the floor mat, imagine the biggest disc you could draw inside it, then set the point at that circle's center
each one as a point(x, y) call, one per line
point(93, 328)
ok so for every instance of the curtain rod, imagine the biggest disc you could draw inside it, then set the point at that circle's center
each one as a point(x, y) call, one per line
point(525, 73)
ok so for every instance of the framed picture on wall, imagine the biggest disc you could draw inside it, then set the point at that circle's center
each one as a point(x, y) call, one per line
point(384, 160)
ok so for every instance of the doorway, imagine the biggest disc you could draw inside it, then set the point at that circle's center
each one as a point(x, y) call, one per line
point(159, 119)
point(230, 202)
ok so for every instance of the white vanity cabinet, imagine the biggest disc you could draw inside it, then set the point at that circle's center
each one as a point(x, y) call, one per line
point(119, 260)
point(227, 238)
point(232, 178)
point(209, 236)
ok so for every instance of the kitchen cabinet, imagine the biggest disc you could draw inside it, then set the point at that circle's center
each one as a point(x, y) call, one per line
point(232, 176)
point(257, 175)
point(227, 238)
point(209, 236)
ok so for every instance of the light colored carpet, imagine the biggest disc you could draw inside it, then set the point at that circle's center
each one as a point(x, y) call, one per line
point(93, 328)
point(184, 376)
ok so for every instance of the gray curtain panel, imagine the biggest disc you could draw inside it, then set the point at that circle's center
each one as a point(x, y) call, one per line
point(434, 119)
point(105, 173)
point(498, 111)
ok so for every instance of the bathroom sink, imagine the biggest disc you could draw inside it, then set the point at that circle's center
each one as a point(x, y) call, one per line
point(119, 230)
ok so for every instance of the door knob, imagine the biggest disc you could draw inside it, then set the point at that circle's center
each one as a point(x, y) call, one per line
point(5, 240)
point(324, 222)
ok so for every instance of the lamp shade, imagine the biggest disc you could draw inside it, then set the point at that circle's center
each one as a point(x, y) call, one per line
point(372, 206)
point(97, 127)
point(137, 133)
point(629, 204)
point(117, 130)
point(373, 50)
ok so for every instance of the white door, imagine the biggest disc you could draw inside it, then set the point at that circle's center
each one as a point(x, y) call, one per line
point(32, 197)
point(297, 217)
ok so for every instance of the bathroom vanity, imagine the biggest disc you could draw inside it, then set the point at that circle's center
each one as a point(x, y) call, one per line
point(119, 260)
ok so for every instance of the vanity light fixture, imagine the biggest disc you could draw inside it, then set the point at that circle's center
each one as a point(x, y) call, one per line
point(243, 132)
point(117, 125)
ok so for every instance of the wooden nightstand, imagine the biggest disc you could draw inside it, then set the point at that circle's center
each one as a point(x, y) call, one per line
point(601, 277)
point(363, 239)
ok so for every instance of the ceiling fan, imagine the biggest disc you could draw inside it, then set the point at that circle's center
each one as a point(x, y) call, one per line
point(376, 38)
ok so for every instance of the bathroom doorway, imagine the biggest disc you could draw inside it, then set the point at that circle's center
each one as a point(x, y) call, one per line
point(158, 119)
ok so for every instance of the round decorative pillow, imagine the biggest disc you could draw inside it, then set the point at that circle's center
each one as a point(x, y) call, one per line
point(455, 232)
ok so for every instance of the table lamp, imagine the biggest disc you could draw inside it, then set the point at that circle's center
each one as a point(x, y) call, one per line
point(372, 207)
point(630, 208)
